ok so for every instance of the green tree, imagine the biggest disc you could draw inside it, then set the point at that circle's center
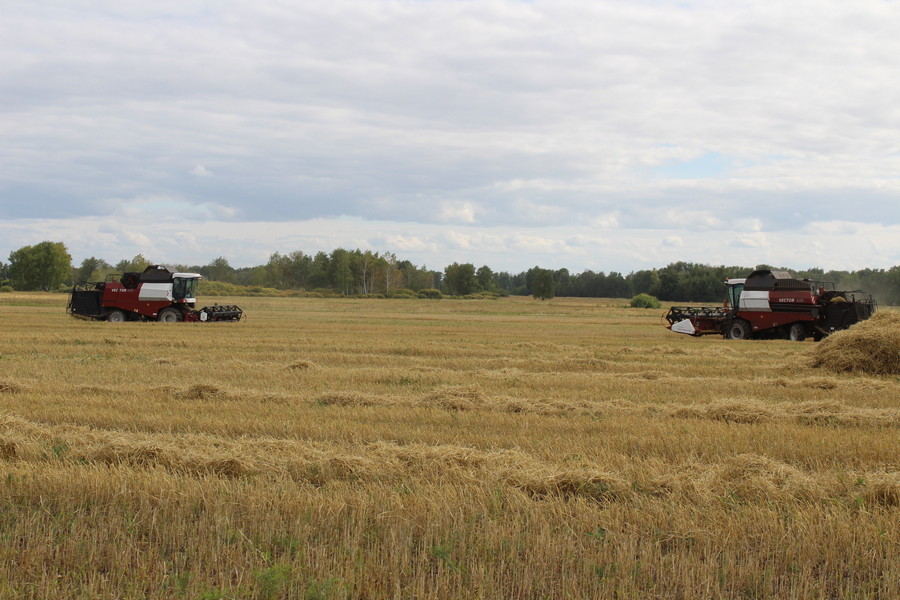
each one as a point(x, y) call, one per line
point(562, 280)
point(255, 276)
point(339, 273)
point(318, 274)
point(278, 271)
point(391, 273)
point(645, 282)
point(485, 278)
point(417, 278)
point(364, 266)
point(43, 266)
point(135, 265)
point(301, 267)
point(93, 269)
point(543, 286)
point(219, 270)
point(459, 279)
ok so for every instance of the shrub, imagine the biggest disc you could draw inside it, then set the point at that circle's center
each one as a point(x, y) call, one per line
point(644, 301)
point(430, 294)
point(6, 288)
point(403, 293)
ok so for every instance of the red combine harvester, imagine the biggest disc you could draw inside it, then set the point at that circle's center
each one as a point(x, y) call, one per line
point(773, 304)
point(158, 294)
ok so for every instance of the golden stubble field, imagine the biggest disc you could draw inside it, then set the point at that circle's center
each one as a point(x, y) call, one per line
point(436, 449)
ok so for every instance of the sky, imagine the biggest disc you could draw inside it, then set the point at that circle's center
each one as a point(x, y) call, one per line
point(586, 134)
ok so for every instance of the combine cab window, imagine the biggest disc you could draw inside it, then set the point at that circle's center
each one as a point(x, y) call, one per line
point(734, 294)
point(184, 288)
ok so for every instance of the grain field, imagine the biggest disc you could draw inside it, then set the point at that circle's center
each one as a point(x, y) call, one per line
point(369, 449)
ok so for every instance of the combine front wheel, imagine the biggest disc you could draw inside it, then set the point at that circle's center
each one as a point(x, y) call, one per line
point(170, 315)
point(797, 332)
point(739, 330)
point(117, 316)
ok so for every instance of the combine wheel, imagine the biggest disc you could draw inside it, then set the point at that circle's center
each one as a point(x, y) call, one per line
point(170, 315)
point(739, 330)
point(797, 332)
point(117, 316)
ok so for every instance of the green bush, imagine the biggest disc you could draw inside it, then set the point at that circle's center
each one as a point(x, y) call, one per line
point(481, 296)
point(430, 294)
point(326, 293)
point(403, 293)
point(644, 301)
point(220, 288)
point(6, 288)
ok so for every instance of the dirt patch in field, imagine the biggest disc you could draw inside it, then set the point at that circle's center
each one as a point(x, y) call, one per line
point(871, 347)
point(301, 365)
point(347, 399)
point(651, 375)
point(203, 391)
point(9, 387)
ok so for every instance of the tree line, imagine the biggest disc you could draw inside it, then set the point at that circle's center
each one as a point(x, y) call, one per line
point(48, 266)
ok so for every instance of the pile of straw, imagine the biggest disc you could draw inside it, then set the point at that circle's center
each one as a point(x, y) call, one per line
point(871, 346)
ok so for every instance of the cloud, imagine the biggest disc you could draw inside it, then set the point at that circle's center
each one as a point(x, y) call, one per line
point(199, 170)
point(402, 243)
point(459, 212)
point(716, 123)
point(502, 248)
point(751, 240)
point(607, 221)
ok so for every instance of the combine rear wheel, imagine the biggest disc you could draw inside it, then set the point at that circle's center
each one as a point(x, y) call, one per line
point(797, 332)
point(116, 316)
point(170, 315)
point(739, 330)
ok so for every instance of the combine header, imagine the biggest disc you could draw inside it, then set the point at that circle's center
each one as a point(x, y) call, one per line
point(773, 304)
point(157, 294)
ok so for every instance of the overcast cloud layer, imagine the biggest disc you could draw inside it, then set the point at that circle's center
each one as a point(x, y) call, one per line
point(611, 135)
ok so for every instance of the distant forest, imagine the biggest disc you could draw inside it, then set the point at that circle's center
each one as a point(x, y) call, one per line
point(363, 272)
point(367, 273)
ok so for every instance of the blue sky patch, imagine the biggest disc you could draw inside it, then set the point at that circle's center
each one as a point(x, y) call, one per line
point(710, 165)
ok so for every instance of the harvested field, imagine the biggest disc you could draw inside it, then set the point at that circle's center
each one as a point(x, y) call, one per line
point(437, 449)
